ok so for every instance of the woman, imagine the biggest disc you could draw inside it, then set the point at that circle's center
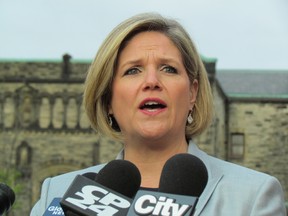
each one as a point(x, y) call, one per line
point(148, 88)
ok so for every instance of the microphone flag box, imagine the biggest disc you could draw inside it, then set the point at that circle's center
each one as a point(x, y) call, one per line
point(159, 203)
point(54, 208)
point(87, 197)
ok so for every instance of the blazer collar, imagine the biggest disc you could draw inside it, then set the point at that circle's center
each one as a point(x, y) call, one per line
point(214, 175)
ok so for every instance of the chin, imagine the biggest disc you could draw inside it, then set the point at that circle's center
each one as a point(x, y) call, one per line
point(154, 135)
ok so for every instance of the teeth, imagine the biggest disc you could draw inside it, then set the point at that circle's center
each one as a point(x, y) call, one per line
point(152, 106)
point(151, 103)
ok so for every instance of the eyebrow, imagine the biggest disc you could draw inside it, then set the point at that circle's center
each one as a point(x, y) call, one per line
point(139, 60)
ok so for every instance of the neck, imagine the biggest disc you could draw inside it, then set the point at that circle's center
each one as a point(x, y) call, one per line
point(150, 160)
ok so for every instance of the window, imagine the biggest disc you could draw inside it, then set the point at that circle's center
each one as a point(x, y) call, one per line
point(236, 146)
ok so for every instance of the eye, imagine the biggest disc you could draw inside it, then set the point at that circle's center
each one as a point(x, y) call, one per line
point(132, 71)
point(169, 69)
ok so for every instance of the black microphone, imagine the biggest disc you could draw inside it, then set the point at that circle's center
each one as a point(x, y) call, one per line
point(121, 176)
point(184, 174)
point(110, 194)
point(7, 198)
point(182, 181)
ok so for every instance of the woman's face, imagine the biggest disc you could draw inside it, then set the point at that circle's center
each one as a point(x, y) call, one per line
point(151, 91)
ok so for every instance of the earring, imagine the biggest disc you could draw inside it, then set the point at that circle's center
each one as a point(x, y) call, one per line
point(190, 118)
point(110, 120)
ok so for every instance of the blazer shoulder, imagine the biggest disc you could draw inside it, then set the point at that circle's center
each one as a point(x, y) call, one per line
point(218, 168)
point(232, 171)
point(247, 190)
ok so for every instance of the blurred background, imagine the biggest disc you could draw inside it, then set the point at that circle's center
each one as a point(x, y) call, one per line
point(46, 47)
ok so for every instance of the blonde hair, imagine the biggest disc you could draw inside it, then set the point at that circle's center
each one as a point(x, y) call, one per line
point(98, 84)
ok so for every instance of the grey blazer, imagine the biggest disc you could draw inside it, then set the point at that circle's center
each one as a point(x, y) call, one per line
point(231, 189)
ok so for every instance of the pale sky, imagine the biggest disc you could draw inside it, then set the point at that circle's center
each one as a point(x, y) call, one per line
point(240, 34)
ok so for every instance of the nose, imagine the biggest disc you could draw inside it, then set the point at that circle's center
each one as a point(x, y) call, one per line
point(152, 80)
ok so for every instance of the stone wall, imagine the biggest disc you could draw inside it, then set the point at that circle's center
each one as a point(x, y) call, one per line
point(43, 127)
point(53, 153)
point(46, 70)
point(264, 126)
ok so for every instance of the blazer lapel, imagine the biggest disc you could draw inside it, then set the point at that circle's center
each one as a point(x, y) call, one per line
point(214, 177)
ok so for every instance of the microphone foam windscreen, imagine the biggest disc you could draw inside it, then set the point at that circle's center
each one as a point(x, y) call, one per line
point(121, 176)
point(183, 174)
point(90, 175)
point(7, 197)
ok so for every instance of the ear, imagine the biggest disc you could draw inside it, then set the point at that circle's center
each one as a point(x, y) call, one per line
point(193, 93)
point(110, 111)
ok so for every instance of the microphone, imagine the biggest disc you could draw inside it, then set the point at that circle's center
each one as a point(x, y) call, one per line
point(110, 194)
point(7, 198)
point(121, 176)
point(184, 174)
point(55, 209)
point(182, 181)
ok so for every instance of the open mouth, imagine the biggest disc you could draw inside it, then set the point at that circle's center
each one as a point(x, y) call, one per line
point(152, 105)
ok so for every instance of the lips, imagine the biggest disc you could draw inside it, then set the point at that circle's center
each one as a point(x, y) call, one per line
point(152, 105)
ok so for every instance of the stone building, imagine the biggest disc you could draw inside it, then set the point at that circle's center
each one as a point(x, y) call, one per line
point(257, 120)
point(44, 130)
